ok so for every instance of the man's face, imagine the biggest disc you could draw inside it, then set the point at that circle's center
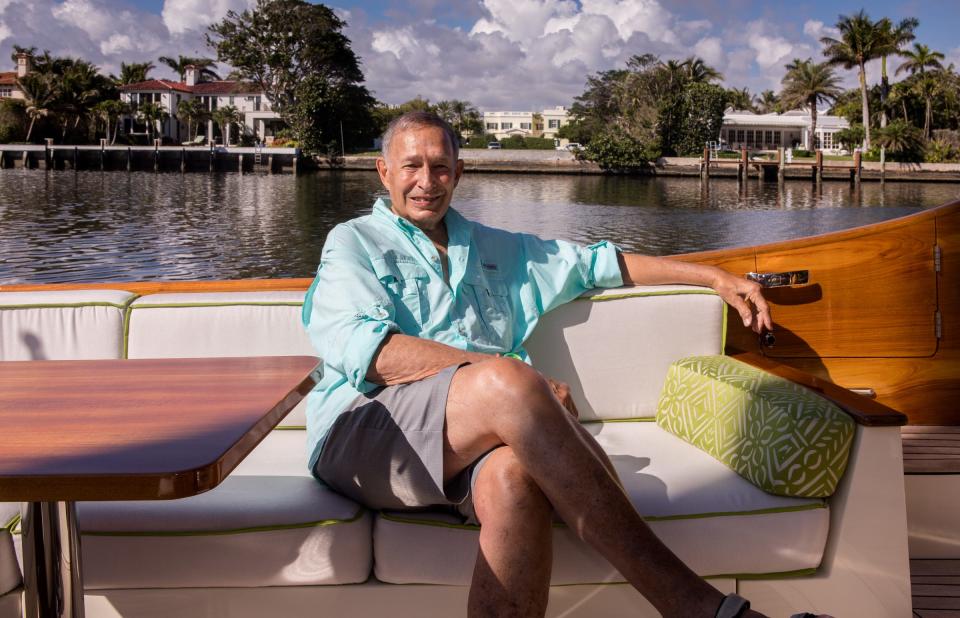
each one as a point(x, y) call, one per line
point(420, 173)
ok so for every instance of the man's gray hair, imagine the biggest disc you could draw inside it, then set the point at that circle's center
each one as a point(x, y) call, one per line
point(415, 120)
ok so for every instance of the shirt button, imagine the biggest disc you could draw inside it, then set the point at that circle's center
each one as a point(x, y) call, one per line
point(462, 330)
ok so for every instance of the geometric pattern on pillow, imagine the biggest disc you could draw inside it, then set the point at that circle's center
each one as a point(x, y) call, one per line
point(780, 436)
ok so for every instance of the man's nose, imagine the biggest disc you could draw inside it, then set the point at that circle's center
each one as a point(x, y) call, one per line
point(425, 177)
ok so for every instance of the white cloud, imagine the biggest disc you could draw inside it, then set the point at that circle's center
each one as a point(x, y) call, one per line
point(770, 49)
point(182, 15)
point(816, 30)
point(710, 49)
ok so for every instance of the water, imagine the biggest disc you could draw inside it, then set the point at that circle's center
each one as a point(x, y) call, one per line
point(64, 226)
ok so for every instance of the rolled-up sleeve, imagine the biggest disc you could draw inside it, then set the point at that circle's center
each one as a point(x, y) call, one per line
point(560, 270)
point(347, 312)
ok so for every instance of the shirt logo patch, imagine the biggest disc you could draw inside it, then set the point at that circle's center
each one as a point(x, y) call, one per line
point(490, 266)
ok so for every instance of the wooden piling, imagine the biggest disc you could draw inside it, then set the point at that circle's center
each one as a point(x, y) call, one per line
point(705, 163)
point(156, 155)
point(25, 160)
point(819, 173)
point(269, 164)
point(857, 166)
point(781, 163)
point(743, 164)
point(211, 159)
point(240, 166)
point(129, 158)
point(183, 160)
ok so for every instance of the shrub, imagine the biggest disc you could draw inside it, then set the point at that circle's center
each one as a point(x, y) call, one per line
point(618, 152)
point(801, 153)
point(941, 151)
point(13, 121)
point(480, 141)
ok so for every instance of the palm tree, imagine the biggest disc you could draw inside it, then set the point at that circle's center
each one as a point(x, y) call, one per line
point(917, 61)
point(740, 98)
point(900, 137)
point(463, 111)
point(192, 112)
point(444, 109)
point(205, 66)
point(699, 71)
point(767, 102)
point(40, 92)
point(808, 84)
point(224, 117)
point(151, 113)
point(133, 73)
point(110, 111)
point(895, 37)
point(861, 40)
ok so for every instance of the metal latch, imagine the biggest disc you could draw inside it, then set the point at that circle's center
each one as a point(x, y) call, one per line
point(777, 280)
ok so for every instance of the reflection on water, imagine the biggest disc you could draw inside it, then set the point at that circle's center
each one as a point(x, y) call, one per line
point(93, 226)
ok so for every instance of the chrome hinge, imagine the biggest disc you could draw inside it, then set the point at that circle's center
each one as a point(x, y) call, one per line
point(936, 258)
point(938, 324)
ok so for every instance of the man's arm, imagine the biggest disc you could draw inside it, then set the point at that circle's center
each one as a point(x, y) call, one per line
point(404, 358)
point(743, 295)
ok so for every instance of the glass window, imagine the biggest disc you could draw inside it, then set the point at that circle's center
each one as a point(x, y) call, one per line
point(750, 138)
point(506, 125)
point(6, 92)
point(740, 136)
point(230, 101)
point(256, 104)
point(525, 125)
point(777, 138)
point(491, 126)
point(826, 140)
point(553, 124)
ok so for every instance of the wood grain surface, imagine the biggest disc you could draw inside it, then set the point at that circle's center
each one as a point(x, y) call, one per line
point(138, 429)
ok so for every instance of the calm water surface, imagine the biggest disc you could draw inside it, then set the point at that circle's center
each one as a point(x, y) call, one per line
point(62, 226)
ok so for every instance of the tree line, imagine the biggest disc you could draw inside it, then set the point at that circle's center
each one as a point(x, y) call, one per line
point(652, 108)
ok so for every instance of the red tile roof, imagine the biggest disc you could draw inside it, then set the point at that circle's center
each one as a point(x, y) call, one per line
point(156, 84)
point(202, 88)
point(227, 87)
point(8, 78)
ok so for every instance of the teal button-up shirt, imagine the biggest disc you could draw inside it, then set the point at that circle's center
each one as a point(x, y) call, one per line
point(380, 274)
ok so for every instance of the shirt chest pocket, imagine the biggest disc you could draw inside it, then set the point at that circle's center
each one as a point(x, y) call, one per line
point(492, 297)
point(406, 282)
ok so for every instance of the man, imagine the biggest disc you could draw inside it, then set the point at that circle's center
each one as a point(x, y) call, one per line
point(420, 316)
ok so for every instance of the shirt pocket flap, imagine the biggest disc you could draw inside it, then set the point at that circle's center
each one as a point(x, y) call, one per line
point(392, 270)
point(495, 286)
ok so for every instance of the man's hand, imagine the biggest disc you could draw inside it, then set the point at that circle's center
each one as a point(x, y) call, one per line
point(747, 298)
point(562, 392)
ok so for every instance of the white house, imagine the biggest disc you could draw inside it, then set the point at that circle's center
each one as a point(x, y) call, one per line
point(9, 89)
point(258, 119)
point(526, 124)
point(770, 131)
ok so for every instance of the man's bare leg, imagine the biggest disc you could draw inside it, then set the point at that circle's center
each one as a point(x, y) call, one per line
point(512, 573)
point(503, 401)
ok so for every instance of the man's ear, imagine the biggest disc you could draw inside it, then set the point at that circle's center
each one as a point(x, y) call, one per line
point(458, 172)
point(382, 170)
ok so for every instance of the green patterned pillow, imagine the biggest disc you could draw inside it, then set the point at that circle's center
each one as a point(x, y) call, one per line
point(778, 435)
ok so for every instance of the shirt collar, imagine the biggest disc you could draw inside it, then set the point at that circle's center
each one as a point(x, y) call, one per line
point(458, 228)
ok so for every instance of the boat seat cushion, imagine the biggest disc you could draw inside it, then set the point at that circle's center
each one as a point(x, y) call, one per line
point(220, 324)
point(62, 325)
point(616, 363)
point(268, 524)
point(716, 521)
point(10, 576)
point(782, 437)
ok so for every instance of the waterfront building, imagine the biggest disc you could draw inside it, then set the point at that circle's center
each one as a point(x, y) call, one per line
point(9, 89)
point(771, 131)
point(526, 124)
point(257, 118)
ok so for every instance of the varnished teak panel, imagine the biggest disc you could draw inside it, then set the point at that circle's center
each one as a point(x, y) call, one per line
point(138, 429)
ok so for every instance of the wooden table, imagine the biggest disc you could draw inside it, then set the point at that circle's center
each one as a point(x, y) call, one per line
point(125, 430)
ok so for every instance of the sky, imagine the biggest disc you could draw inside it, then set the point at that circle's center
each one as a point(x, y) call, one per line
point(498, 54)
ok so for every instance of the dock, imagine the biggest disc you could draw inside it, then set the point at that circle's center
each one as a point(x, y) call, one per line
point(154, 158)
point(782, 166)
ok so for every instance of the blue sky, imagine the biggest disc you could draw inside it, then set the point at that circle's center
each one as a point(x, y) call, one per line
point(498, 54)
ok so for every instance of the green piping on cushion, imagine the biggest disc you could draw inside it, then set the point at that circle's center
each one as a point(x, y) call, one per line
point(12, 524)
point(169, 533)
point(63, 305)
point(637, 419)
point(130, 308)
point(768, 511)
point(723, 330)
point(602, 298)
point(288, 427)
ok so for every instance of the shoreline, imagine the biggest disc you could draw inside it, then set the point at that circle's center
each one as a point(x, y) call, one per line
point(550, 162)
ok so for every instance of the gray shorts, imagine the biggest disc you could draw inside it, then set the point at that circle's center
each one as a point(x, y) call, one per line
point(386, 450)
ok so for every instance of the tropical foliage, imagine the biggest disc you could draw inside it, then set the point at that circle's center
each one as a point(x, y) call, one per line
point(297, 53)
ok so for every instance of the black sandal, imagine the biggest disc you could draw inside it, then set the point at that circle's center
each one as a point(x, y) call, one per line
point(732, 606)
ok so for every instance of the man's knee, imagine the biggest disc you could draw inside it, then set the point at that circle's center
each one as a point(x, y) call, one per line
point(518, 385)
point(505, 489)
